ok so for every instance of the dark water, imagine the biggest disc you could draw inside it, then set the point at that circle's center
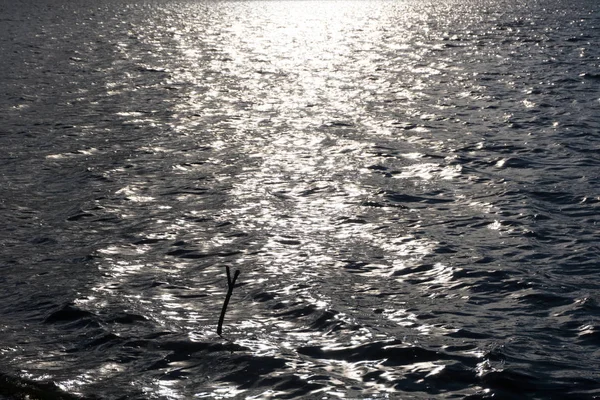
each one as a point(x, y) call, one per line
point(410, 189)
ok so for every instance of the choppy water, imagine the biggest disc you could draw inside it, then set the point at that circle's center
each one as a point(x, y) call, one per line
point(410, 189)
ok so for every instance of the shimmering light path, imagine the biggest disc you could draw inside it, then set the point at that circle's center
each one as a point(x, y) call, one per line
point(409, 188)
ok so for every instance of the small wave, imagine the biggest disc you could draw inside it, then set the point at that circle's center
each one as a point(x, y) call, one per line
point(73, 315)
point(544, 300)
point(591, 76)
point(21, 388)
point(406, 198)
point(390, 353)
point(194, 254)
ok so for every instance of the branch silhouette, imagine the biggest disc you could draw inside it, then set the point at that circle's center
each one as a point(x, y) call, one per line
point(230, 286)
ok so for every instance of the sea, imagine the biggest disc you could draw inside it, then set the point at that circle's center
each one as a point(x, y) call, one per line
point(409, 189)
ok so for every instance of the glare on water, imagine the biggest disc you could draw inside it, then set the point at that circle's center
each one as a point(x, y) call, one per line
point(388, 177)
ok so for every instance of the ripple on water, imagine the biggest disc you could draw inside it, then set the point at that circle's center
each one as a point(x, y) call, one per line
point(409, 190)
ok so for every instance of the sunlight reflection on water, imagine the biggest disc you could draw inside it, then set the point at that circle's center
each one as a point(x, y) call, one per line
point(361, 164)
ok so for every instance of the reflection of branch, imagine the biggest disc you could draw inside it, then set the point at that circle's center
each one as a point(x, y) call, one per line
point(230, 284)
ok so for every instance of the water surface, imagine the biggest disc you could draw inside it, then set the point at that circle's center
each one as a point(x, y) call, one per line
point(410, 190)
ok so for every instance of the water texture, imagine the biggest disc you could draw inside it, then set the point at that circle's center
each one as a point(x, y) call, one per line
point(410, 189)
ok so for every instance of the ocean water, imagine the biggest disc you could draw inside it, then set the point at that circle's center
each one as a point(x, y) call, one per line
point(410, 190)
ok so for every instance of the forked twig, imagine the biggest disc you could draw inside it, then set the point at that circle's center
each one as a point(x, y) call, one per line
point(230, 286)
